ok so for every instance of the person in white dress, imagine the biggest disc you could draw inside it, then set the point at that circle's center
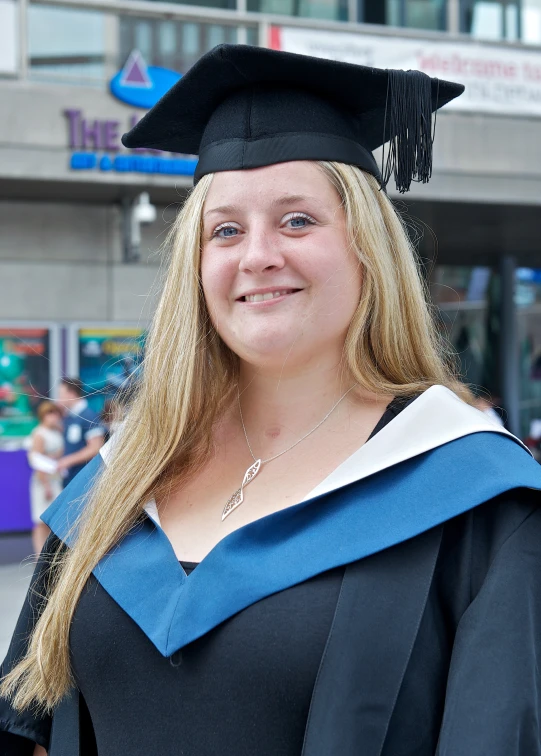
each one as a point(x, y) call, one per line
point(46, 446)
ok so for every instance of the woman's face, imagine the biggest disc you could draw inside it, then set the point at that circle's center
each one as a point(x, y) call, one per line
point(279, 280)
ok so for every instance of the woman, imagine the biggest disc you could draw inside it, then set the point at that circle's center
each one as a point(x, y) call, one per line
point(302, 541)
point(46, 446)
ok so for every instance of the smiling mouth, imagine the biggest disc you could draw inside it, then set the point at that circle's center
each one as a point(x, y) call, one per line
point(268, 295)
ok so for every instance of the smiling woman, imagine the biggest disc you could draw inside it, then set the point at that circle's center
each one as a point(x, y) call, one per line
point(304, 537)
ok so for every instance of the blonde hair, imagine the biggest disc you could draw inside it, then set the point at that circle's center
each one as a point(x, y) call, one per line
point(392, 348)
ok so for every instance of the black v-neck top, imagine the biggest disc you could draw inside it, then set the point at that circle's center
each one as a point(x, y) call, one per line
point(188, 567)
point(243, 689)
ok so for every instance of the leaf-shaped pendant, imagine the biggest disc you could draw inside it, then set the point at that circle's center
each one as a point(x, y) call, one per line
point(250, 473)
point(237, 498)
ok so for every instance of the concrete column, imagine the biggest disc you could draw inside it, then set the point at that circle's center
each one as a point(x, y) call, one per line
point(242, 35)
point(242, 32)
point(453, 16)
point(509, 347)
point(263, 33)
point(111, 43)
point(24, 63)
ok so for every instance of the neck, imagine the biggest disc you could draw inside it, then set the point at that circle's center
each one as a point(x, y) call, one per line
point(278, 409)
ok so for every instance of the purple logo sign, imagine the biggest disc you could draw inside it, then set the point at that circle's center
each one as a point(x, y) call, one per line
point(135, 72)
point(141, 85)
point(94, 134)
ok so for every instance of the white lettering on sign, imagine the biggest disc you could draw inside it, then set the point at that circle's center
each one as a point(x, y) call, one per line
point(497, 79)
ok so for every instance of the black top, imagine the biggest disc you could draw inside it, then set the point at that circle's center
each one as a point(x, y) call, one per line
point(188, 567)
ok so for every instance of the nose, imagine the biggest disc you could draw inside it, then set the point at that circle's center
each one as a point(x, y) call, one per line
point(261, 252)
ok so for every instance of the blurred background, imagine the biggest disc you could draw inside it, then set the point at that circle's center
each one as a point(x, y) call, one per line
point(82, 219)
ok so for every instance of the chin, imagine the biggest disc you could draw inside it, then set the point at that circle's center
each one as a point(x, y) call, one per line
point(277, 353)
point(264, 355)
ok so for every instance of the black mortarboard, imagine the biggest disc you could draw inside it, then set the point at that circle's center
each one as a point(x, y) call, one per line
point(246, 107)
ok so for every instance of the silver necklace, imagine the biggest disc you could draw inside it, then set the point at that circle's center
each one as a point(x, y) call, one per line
point(237, 498)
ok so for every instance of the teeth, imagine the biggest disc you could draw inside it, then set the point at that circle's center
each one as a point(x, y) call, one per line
point(265, 297)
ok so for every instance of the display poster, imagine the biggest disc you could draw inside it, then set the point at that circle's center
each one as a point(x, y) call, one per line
point(498, 79)
point(24, 378)
point(109, 359)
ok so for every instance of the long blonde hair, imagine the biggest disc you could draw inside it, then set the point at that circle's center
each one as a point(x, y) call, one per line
point(392, 348)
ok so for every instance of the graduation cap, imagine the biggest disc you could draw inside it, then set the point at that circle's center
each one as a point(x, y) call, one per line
point(245, 107)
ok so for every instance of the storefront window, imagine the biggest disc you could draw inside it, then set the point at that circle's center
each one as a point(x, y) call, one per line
point(143, 38)
point(171, 44)
point(167, 35)
point(510, 20)
point(425, 14)
point(66, 44)
point(531, 22)
point(88, 48)
point(190, 39)
point(216, 35)
point(334, 10)
point(224, 4)
point(417, 14)
point(490, 19)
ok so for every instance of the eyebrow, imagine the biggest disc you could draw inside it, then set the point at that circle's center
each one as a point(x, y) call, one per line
point(286, 199)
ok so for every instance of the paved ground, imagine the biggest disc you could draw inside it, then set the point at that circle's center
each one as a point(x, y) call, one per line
point(15, 576)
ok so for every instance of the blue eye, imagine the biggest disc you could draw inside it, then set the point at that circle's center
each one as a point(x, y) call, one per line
point(225, 232)
point(300, 220)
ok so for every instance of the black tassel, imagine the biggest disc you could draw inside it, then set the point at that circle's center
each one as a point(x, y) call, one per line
point(408, 129)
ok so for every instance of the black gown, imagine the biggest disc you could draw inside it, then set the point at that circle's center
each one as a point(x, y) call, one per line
point(308, 670)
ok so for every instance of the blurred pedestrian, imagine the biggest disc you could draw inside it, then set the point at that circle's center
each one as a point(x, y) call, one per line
point(83, 433)
point(45, 449)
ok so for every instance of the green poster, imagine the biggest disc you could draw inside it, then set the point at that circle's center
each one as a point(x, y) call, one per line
point(24, 378)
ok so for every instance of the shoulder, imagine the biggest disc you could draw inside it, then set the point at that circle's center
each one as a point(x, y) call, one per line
point(506, 517)
point(496, 519)
point(501, 529)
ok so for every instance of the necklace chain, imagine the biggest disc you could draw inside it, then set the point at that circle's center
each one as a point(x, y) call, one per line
point(270, 459)
point(236, 499)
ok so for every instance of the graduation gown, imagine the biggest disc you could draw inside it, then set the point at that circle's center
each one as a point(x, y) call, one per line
point(434, 639)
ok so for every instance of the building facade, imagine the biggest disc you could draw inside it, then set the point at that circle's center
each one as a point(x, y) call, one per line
point(74, 75)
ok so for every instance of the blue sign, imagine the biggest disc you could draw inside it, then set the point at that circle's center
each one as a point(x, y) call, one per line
point(141, 85)
point(529, 275)
point(87, 161)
